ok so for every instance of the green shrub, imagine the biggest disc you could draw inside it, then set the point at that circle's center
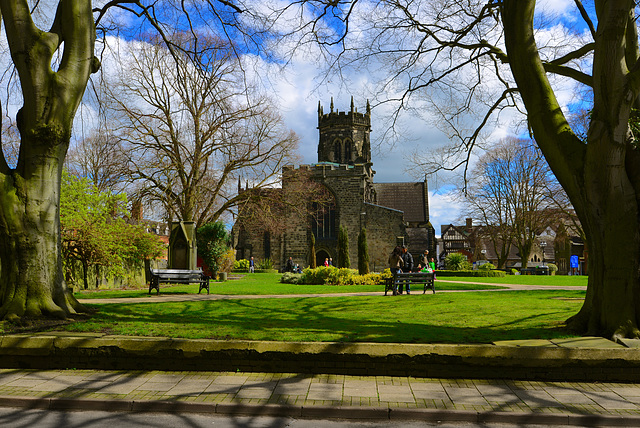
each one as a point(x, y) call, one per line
point(290, 278)
point(486, 266)
point(227, 261)
point(343, 249)
point(333, 276)
point(266, 264)
point(456, 261)
point(472, 273)
point(241, 265)
point(340, 276)
point(514, 271)
point(212, 240)
point(552, 267)
point(363, 253)
point(316, 276)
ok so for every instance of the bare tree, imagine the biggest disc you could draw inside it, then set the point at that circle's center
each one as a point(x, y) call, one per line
point(297, 198)
point(191, 127)
point(473, 59)
point(508, 192)
point(53, 55)
point(99, 158)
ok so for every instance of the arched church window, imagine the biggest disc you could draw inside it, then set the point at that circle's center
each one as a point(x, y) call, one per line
point(347, 151)
point(337, 151)
point(323, 219)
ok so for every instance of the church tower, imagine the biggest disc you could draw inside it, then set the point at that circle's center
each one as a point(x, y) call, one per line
point(344, 136)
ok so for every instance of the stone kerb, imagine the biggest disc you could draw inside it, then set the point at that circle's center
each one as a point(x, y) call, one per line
point(417, 360)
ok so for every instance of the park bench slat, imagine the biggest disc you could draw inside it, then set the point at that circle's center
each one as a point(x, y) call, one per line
point(178, 276)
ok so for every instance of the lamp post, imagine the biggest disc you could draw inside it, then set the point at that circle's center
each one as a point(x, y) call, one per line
point(543, 244)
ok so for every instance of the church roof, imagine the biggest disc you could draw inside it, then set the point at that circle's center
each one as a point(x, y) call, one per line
point(406, 197)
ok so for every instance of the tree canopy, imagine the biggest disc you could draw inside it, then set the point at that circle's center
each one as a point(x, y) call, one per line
point(95, 232)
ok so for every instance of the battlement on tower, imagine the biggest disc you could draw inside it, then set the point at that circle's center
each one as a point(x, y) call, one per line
point(344, 136)
point(336, 119)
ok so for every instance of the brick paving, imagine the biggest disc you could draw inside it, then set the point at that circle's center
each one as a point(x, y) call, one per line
point(613, 401)
point(335, 396)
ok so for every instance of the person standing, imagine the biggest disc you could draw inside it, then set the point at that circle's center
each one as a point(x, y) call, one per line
point(252, 265)
point(407, 260)
point(289, 266)
point(395, 265)
point(424, 258)
point(432, 264)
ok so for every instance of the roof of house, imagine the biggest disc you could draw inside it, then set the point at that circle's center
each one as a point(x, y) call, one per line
point(405, 197)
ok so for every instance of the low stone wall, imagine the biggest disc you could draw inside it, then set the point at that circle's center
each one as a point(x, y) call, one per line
point(432, 361)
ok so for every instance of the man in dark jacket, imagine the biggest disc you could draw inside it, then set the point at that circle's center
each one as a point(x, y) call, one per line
point(407, 259)
point(289, 266)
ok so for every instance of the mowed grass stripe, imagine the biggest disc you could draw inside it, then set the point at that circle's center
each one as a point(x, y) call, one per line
point(473, 317)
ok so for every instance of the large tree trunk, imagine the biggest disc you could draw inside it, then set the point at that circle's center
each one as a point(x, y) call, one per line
point(600, 175)
point(31, 276)
point(31, 279)
point(611, 224)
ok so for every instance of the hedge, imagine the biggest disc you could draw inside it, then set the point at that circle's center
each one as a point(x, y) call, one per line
point(472, 273)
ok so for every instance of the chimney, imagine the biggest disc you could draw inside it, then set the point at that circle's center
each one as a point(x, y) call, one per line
point(469, 225)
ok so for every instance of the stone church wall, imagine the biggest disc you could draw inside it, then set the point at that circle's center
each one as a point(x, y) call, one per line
point(383, 226)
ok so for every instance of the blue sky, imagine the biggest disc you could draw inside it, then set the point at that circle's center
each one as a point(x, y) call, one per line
point(298, 88)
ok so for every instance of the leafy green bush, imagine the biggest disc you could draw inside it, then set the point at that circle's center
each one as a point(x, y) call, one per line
point(333, 276)
point(552, 267)
point(486, 266)
point(363, 252)
point(456, 261)
point(291, 278)
point(317, 276)
point(227, 260)
point(476, 273)
point(241, 265)
point(212, 239)
point(265, 264)
point(514, 271)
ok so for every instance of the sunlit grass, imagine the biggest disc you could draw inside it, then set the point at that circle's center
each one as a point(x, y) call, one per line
point(263, 284)
point(474, 317)
point(559, 280)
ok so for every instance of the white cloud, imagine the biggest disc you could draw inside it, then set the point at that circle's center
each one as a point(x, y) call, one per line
point(444, 209)
point(302, 84)
point(556, 7)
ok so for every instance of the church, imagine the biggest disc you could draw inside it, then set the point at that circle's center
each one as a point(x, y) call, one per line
point(391, 213)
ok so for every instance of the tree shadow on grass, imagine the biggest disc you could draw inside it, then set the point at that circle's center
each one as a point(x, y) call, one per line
point(341, 319)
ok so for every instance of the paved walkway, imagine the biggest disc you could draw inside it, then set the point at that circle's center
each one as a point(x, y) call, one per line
point(332, 396)
point(326, 396)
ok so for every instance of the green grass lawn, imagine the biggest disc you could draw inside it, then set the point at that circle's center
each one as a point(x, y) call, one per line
point(262, 284)
point(563, 280)
point(473, 317)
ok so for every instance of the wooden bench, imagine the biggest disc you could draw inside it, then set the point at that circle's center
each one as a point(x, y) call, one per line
point(410, 278)
point(178, 276)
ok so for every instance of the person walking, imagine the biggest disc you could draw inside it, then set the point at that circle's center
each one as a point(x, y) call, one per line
point(289, 266)
point(252, 265)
